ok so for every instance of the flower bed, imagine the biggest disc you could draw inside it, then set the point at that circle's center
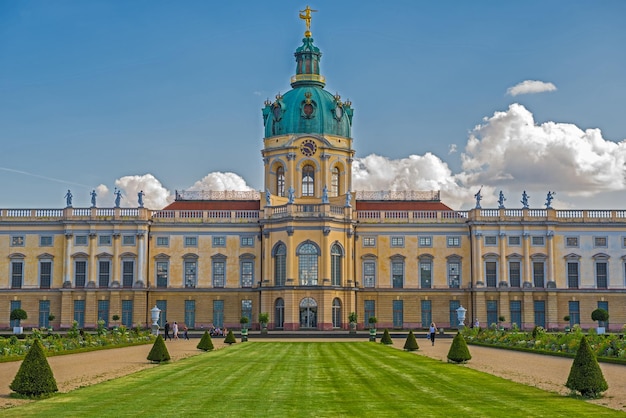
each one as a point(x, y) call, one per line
point(606, 347)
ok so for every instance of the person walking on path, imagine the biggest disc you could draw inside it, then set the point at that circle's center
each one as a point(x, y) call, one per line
point(185, 334)
point(167, 330)
point(175, 330)
point(433, 332)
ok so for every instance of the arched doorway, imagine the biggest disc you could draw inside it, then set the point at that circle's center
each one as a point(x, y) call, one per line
point(336, 313)
point(279, 313)
point(308, 313)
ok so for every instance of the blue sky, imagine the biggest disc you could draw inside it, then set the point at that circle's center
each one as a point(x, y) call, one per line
point(162, 96)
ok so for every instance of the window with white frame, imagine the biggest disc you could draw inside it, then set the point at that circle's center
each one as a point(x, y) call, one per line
point(45, 273)
point(162, 272)
point(515, 273)
point(573, 278)
point(308, 180)
point(247, 241)
point(491, 273)
point(336, 255)
point(190, 266)
point(571, 242)
point(334, 182)
point(280, 264)
point(219, 241)
point(369, 273)
point(539, 274)
point(80, 273)
point(369, 241)
point(17, 241)
point(454, 273)
point(397, 273)
point(191, 241)
point(601, 267)
point(247, 272)
point(397, 241)
point(17, 273)
point(308, 256)
point(162, 241)
point(128, 272)
point(45, 241)
point(104, 273)
point(280, 181)
point(454, 241)
point(219, 272)
point(425, 241)
point(426, 272)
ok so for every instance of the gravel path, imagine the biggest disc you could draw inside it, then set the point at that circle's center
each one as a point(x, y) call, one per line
point(545, 372)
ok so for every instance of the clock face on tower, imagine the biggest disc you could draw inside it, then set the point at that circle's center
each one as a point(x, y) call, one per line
point(308, 147)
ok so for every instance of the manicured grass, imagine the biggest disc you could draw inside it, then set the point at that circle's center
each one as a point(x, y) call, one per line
point(316, 379)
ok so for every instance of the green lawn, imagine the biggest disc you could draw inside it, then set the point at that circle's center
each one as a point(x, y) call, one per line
point(315, 379)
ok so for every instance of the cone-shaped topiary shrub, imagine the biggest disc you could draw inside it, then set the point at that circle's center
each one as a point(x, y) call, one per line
point(34, 378)
point(386, 339)
point(205, 343)
point(230, 338)
point(411, 343)
point(159, 351)
point(459, 353)
point(585, 376)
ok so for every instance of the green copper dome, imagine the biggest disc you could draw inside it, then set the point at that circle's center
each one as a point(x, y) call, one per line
point(307, 107)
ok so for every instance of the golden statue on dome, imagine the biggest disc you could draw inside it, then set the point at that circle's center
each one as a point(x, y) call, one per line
point(307, 19)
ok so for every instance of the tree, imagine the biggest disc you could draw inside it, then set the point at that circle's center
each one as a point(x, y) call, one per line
point(264, 318)
point(600, 315)
point(411, 343)
point(243, 321)
point(18, 314)
point(585, 376)
point(372, 321)
point(230, 338)
point(159, 351)
point(35, 377)
point(205, 343)
point(459, 353)
point(386, 339)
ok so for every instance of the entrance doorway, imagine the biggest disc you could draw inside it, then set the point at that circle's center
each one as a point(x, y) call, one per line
point(308, 313)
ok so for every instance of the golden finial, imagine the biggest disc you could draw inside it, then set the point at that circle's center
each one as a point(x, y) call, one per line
point(307, 19)
point(308, 97)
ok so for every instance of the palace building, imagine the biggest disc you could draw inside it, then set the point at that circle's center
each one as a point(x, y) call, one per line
point(309, 250)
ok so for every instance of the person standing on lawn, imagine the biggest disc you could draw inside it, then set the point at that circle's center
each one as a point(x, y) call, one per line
point(175, 330)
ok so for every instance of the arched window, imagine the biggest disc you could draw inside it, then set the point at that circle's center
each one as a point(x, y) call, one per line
point(280, 181)
point(335, 265)
point(307, 264)
point(308, 180)
point(334, 182)
point(279, 313)
point(336, 313)
point(280, 264)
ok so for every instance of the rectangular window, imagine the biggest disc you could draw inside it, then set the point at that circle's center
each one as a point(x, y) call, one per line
point(492, 312)
point(80, 240)
point(128, 240)
point(247, 273)
point(515, 241)
point(45, 241)
point(80, 273)
point(191, 241)
point(163, 241)
point(219, 273)
point(602, 275)
point(454, 241)
point(491, 273)
point(190, 313)
point(600, 242)
point(398, 314)
point(162, 305)
point(623, 242)
point(127, 313)
point(397, 241)
point(369, 274)
point(218, 313)
point(515, 274)
point(44, 314)
point(426, 313)
point(539, 274)
point(454, 274)
point(45, 274)
point(572, 275)
point(246, 310)
point(247, 241)
point(369, 241)
point(103, 312)
point(128, 273)
point(571, 241)
point(370, 310)
point(574, 312)
point(425, 241)
point(454, 316)
point(491, 240)
point(104, 240)
point(516, 312)
point(104, 273)
point(191, 273)
point(537, 241)
point(219, 241)
point(17, 241)
point(162, 273)
point(17, 274)
point(540, 313)
point(425, 274)
point(397, 274)
point(79, 313)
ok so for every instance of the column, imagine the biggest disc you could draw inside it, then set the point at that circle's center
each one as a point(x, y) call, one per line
point(141, 258)
point(527, 276)
point(91, 270)
point(67, 258)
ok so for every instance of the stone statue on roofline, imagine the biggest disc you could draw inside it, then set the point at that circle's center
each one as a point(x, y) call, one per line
point(501, 200)
point(524, 200)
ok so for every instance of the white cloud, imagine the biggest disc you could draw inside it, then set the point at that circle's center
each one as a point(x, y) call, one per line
point(155, 195)
point(530, 87)
point(452, 148)
point(221, 181)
